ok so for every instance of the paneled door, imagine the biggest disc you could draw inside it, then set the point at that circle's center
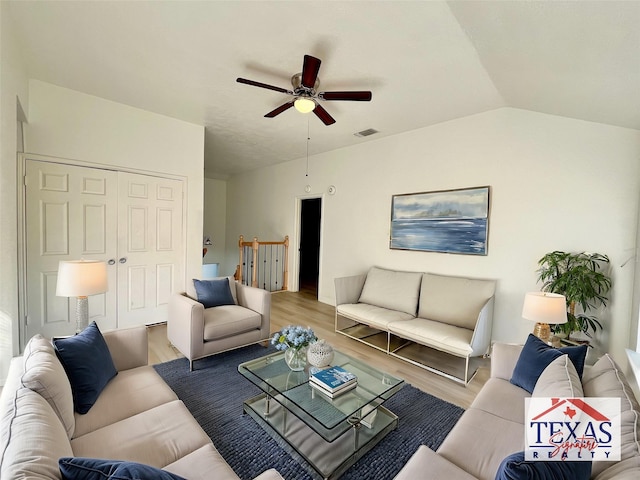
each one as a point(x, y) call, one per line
point(133, 222)
point(71, 214)
point(150, 247)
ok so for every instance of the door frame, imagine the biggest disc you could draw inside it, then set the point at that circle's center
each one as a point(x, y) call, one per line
point(294, 277)
point(22, 223)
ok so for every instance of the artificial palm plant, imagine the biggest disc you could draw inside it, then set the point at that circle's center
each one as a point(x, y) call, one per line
point(581, 279)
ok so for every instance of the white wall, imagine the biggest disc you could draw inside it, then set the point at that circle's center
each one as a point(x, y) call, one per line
point(215, 217)
point(556, 184)
point(68, 124)
point(13, 85)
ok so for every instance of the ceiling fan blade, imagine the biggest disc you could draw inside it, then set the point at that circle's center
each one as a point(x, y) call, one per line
point(310, 69)
point(279, 110)
point(262, 85)
point(354, 96)
point(323, 115)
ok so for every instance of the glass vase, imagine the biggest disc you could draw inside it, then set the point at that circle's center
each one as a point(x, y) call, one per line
point(296, 358)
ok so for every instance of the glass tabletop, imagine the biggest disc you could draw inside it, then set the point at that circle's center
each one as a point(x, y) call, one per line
point(328, 417)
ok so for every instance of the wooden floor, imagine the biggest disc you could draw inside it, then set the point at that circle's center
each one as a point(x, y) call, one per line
point(302, 308)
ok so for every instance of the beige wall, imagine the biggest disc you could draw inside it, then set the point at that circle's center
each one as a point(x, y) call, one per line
point(556, 183)
point(13, 85)
point(71, 125)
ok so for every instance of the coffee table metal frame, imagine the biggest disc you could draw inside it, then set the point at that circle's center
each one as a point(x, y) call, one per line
point(325, 435)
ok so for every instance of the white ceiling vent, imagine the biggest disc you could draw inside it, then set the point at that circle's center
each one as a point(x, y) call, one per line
point(366, 133)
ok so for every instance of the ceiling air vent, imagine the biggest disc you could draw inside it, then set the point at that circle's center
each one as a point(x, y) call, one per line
point(366, 133)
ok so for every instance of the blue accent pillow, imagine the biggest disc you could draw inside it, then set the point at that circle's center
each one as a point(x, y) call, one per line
point(96, 469)
point(87, 361)
point(515, 467)
point(537, 355)
point(213, 293)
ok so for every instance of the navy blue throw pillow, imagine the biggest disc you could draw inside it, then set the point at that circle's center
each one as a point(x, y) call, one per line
point(515, 467)
point(96, 469)
point(87, 361)
point(213, 293)
point(537, 355)
point(534, 358)
point(577, 355)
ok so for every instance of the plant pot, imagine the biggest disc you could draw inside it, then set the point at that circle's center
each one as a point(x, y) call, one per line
point(296, 359)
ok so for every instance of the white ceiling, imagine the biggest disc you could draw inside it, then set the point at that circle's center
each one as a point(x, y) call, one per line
point(425, 62)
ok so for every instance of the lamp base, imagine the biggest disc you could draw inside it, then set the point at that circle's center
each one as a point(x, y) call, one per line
point(82, 313)
point(542, 331)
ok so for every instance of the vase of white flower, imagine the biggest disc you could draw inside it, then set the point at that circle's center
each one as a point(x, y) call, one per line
point(294, 340)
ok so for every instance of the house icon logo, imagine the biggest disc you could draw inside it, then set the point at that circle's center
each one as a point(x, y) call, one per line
point(572, 429)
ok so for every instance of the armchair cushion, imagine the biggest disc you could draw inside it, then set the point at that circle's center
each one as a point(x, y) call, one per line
point(227, 320)
point(213, 293)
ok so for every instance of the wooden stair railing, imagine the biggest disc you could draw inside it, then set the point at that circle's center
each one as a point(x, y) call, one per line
point(268, 267)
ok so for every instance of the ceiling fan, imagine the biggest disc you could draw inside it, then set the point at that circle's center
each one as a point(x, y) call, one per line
point(305, 90)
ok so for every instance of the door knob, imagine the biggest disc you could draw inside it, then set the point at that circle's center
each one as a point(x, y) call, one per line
point(112, 261)
point(123, 260)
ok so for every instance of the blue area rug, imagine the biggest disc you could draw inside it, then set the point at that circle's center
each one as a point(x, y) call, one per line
point(214, 393)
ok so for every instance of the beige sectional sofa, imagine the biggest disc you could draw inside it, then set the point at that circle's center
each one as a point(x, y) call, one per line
point(493, 427)
point(137, 417)
point(398, 312)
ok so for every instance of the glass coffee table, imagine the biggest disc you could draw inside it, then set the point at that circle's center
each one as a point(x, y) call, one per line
point(325, 435)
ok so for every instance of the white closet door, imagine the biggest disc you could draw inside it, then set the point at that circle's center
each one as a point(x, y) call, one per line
point(150, 247)
point(71, 214)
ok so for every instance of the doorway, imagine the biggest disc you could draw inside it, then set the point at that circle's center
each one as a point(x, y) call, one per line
point(309, 250)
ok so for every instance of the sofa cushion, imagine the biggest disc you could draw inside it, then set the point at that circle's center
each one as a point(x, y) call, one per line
point(489, 399)
point(73, 468)
point(156, 437)
point(605, 379)
point(454, 300)
point(228, 320)
point(205, 463)
point(559, 379)
point(371, 315)
point(45, 375)
point(131, 392)
point(392, 289)
point(36, 438)
point(87, 361)
point(536, 355)
point(213, 293)
point(515, 467)
point(442, 336)
point(466, 445)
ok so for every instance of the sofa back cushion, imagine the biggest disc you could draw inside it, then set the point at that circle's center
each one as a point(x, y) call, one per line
point(34, 438)
point(392, 289)
point(559, 379)
point(454, 300)
point(605, 379)
point(45, 375)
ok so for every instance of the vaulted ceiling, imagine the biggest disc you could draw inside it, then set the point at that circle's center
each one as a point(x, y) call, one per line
point(426, 62)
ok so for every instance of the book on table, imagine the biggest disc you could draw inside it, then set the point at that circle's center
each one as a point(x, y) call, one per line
point(335, 393)
point(333, 379)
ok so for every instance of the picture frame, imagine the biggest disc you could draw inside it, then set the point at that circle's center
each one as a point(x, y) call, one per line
point(446, 221)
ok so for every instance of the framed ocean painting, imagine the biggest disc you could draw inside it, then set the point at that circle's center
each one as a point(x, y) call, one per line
point(448, 221)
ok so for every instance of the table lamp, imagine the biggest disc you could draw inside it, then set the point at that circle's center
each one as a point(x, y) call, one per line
point(544, 309)
point(81, 278)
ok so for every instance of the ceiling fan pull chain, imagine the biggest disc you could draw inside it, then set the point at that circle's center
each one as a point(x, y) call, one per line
point(308, 138)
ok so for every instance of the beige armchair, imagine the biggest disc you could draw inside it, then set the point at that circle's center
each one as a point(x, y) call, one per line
point(199, 332)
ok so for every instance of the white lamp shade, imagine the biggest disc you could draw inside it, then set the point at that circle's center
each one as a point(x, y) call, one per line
point(81, 278)
point(545, 307)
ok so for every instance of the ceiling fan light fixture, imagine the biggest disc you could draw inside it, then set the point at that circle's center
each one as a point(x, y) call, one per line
point(304, 104)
